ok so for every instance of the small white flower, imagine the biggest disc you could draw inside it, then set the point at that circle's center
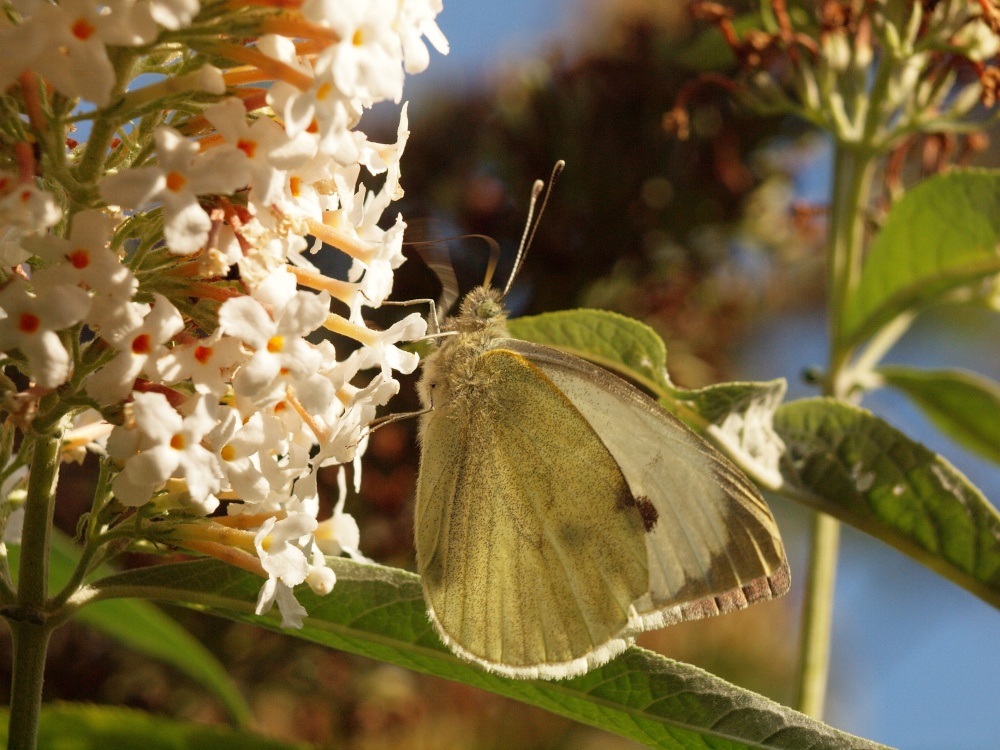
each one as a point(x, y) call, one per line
point(26, 206)
point(83, 259)
point(139, 345)
point(374, 273)
point(128, 23)
point(367, 63)
point(181, 176)
point(73, 57)
point(382, 351)
point(167, 445)
point(12, 250)
point(320, 579)
point(134, 22)
point(89, 433)
point(236, 444)
point(416, 20)
point(206, 362)
point(266, 145)
point(19, 45)
point(978, 40)
point(281, 354)
point(174, 14)
point(322, 107)
point(30, 324)
point(283, 555)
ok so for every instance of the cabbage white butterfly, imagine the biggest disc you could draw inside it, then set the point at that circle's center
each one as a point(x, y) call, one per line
point(560, 510)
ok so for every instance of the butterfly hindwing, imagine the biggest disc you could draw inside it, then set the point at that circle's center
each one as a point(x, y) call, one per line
point(712, 543)
point(525, 577)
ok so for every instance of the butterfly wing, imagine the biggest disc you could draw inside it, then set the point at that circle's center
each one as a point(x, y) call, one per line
point(712, 544)
point(521, 571)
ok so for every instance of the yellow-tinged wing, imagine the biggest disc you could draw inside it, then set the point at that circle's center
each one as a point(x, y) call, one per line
point(713, 545)
point(530, 545)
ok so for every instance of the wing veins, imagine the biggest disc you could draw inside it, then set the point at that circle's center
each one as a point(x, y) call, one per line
point(549, 534)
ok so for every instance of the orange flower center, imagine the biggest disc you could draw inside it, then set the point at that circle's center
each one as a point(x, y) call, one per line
point(142, 344)
point(82, 29)
point(79, 258)
point(203, 353)
point(28, 322)
point(248, 147)
point(175, 181)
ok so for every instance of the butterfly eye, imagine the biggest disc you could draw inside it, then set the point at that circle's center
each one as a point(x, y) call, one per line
point(487, 309)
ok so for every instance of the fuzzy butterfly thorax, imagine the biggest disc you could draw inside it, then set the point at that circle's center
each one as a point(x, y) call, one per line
point(450, 373)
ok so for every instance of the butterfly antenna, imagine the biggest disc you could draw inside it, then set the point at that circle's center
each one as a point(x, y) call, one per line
point(439, 262)
point(491, 266)
point(531, 227)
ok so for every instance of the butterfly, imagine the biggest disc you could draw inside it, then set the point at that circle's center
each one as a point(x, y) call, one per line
point(560, 510)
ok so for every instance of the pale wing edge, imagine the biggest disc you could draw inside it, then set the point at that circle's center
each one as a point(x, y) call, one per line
point(762, 589)
point(547, 670)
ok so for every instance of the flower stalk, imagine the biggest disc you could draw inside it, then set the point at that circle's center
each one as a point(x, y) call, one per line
point(28, 618)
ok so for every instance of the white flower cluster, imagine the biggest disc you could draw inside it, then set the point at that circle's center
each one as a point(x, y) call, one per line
point(174, 299)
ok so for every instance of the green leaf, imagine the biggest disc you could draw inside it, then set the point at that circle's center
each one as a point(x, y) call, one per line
point(962, 404)
point(852, 465)
point(145, 628)
point(380, 613)
point(67, 726)
point(613, 341)
point(740, 417)
point(941, 235)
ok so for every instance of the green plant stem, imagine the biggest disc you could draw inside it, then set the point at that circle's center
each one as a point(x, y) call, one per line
point(30, 629)
point(32, 586)
point(814, 654)
point(852, 176)
point(31, 643)
point(879, 345)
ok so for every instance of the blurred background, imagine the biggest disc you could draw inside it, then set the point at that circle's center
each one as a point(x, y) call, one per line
point(717, 243)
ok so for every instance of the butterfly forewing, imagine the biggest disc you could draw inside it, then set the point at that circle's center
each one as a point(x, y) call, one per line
point(526, 578)
point(712, 543)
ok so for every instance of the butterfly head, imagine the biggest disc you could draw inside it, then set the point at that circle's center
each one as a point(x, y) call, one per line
point(482, 308)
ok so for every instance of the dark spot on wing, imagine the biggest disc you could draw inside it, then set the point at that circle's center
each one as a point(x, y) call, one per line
point(650, 515)
point(647, 511)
